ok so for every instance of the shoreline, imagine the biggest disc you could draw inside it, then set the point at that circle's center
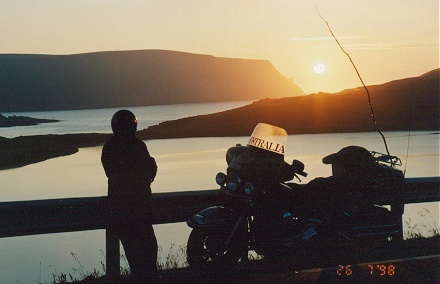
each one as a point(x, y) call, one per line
point(26, 150)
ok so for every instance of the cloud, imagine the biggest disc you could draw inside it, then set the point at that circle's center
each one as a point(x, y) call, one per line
point(323, 38)
point(379, 46)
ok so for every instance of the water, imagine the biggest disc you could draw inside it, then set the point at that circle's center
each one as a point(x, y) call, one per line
point(98, 120)
point(184, 164)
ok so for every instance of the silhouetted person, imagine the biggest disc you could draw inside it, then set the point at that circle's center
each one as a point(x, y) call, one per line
point(130, 170)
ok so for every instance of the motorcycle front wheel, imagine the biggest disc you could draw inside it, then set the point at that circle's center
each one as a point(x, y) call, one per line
point(206, 250)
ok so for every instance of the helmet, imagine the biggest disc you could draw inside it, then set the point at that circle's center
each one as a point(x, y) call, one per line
point(124, 123)
point(352, 158)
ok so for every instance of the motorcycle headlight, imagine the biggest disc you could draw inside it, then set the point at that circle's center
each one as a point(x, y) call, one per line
point(249, 188)
point(220, 179)
point(232, 181)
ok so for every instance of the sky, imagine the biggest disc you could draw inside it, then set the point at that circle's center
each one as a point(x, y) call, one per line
point(386, 39)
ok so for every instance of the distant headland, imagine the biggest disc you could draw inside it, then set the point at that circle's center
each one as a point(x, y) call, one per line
point(401, 105)
point(31, 82)
point(11, 121)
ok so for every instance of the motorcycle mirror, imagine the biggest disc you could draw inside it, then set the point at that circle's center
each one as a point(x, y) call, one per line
point(298, 165)
point(220, 179)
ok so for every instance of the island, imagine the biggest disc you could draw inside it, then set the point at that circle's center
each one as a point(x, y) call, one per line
point(11, 121)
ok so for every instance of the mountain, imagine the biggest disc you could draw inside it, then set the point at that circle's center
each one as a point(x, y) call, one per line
point(133, 78)
point(406, 104)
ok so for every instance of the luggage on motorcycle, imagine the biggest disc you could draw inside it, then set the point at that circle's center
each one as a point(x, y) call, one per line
point(351, 157)
point(357, 176)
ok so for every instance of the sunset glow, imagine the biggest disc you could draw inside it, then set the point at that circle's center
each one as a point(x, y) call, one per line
point(387, 40)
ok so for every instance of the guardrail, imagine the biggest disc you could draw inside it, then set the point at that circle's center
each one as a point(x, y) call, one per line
point(21, 218)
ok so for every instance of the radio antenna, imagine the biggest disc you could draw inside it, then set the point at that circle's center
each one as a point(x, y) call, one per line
point(360, 78)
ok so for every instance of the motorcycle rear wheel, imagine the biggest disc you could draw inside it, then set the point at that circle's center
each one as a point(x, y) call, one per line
point(206, 251)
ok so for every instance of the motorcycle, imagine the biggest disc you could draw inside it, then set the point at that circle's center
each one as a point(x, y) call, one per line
point(263, 212)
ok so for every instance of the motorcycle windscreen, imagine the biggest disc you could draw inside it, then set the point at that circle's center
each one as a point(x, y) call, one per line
point(269, 137)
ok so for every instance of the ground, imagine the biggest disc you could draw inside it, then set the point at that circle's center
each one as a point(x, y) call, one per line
point(412, 261)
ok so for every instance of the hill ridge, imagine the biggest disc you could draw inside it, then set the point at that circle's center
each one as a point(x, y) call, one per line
point(400, 105)
point(32, 82)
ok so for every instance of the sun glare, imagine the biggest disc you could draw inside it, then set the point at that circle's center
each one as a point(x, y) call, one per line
point(319, 68)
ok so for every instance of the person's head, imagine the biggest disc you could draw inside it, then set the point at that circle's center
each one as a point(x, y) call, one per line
point(124, 123)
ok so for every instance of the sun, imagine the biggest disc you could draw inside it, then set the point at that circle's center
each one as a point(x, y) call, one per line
point(319, 68)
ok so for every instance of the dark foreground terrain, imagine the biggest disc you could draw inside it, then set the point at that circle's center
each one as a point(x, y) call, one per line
point(413, 261)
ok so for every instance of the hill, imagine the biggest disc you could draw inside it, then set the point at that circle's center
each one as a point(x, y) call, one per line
point(406, 104)
point(133, 78)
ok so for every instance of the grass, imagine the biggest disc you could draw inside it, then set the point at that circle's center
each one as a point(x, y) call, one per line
point(78, 270)
point(422, 230)
point(175, 258)
point(176, 255)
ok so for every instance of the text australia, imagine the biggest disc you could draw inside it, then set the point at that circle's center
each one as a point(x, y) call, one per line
point(267, 145)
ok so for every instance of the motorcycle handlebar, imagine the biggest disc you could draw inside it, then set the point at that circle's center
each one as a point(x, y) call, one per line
point(304, 174)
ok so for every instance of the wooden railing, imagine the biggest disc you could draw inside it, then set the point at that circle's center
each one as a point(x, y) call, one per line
point(21, 218)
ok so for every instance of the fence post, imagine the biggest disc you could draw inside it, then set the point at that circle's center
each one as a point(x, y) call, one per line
point(112, 254)
point(397, 209)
